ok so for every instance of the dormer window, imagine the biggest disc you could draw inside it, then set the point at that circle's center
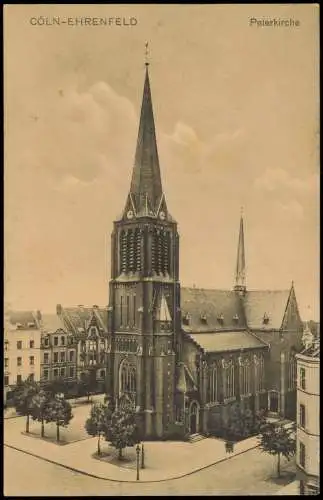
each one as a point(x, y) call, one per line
point(265, 319)
point(19, 326)
point(235, 317)
point(80, 329)
point(220, 318)
point(31, 325)
point(203, 318)
point(187, 319)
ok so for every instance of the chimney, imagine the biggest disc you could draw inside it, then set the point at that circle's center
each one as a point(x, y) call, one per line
point(59, 309)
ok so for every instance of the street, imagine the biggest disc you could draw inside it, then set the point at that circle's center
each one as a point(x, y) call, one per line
point(252, 473)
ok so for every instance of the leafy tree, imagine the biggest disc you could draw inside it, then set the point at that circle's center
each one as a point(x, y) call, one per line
point(57, 386)
point(23, 399)
point(40, 404)
point(86, 384)
point(243, 422)
point(58, 410)
point(122, 430)
point(98, 422)
point(276, 439)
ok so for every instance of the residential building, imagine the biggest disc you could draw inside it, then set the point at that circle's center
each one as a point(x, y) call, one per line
point(308, 416)
point(22, 339)
point(184, 355)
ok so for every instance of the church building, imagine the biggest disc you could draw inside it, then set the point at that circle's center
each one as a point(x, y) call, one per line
point(183, 356)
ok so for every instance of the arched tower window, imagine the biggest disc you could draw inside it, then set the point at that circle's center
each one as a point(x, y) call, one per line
point(123, 252)
point(130, 251)
point(138, 249)
point(127, 378)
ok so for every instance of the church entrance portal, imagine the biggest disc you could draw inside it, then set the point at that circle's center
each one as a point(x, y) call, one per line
point(194, 417)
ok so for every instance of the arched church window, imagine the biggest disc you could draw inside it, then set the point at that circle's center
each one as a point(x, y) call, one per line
point(160, 251)
point(127, 378)
point(213, 384)
point(229, 382)
point(245, 377)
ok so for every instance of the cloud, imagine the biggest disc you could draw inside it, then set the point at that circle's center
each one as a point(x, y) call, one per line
point(278, 178)
point(292, 210)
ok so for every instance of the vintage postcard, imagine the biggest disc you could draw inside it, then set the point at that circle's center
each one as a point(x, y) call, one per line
point(161, 326)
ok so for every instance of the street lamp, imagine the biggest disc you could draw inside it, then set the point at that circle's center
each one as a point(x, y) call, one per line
point(142, 456)
point(138, 453)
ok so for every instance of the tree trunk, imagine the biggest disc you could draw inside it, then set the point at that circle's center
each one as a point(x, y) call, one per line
point(57, 431)
point(120, 454)
point(99, 448)
point(278, 465)
point(27, 424)
point(42, 428)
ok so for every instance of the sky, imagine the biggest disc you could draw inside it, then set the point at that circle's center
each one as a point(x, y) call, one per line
point(237, 118)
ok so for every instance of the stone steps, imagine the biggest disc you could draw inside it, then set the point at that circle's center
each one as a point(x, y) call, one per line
point(196, 437)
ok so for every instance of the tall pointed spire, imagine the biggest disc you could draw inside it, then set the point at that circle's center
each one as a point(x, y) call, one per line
point(146, 179)
point(240, 276)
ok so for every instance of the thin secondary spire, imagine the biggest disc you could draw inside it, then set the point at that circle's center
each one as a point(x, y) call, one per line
point(146, 54)
point(240, 277)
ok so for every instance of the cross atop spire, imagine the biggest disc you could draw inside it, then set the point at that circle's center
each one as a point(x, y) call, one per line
point(240, 276)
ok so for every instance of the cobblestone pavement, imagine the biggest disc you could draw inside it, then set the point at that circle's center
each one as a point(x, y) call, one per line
point(252, 473)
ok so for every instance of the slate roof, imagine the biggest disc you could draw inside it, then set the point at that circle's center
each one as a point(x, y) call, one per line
point(212, 303)
point(313, 351)
point(226, 341)
point(271, 302)
point(79, 317)
point(50, 323)
point(22, 317)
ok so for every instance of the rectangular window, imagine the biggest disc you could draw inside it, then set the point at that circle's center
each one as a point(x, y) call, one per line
point(46, 341)
point(19, 344)
point(19, 379)
point(302, 381)
point(71, 356)
point(55, 372)
point(62, 356)
point(6, 345)
point(46, 358)
point(31, 360)
point(31, 377)
point(31, 344)
point(55, 340)
point(19, 360)
point(71, 371)
point(62, 340)
point(46, 374)
point(302, 454)
point(62, 372)
point(6, 362)
point(55, 357)
point(302, 415)
point(121, 310)
point(6, 380)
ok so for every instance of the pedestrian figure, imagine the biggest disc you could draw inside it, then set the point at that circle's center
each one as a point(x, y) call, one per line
point(229, 446)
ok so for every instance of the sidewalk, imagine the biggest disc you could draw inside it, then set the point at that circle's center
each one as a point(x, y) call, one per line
point(163, 460)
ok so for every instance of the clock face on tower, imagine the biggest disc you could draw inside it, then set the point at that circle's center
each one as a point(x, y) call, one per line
point(162, 215)
point(129, 214)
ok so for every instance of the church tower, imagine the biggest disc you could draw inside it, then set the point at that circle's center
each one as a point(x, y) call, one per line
point(144, 290)
point(240, 274)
